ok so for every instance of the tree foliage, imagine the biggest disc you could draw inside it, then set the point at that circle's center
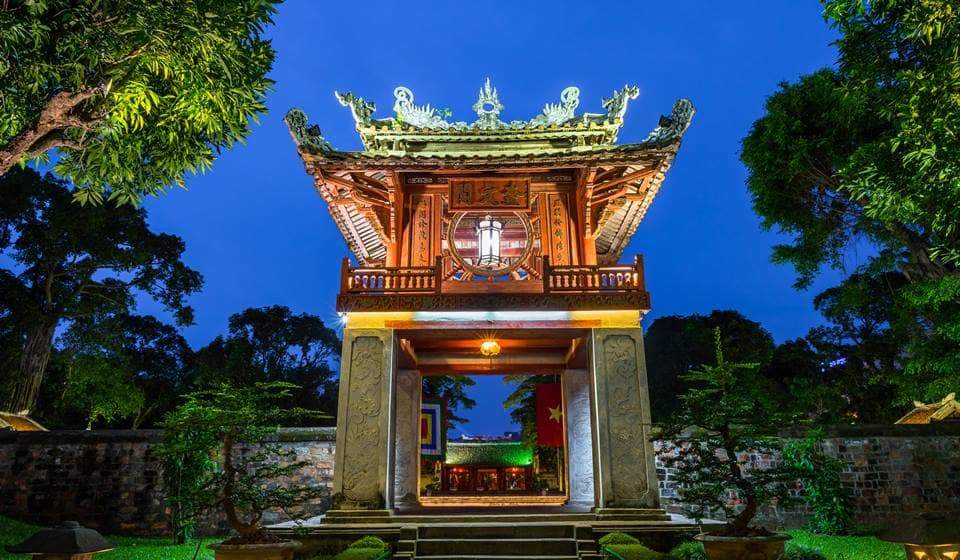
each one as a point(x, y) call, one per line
point(74, 262)
point(727, 411)
point(869, 152)
point(270, 344)
point(676, 344)
point(453, 388)
point(147, 356)
point(822, 487)
point(218, 422)
point(133, 95)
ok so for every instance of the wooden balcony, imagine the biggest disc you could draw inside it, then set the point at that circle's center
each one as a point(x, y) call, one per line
point(576, 287)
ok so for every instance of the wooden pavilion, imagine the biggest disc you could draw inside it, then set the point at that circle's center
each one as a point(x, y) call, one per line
point(492, 247)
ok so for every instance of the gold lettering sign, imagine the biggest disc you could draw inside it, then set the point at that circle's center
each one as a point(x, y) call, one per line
point(489, 194)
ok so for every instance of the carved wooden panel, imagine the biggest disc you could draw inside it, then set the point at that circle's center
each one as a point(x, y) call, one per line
point(559, 230)
point(365, 406)
point(627, 452)
point(490, 194)
point(421, 230)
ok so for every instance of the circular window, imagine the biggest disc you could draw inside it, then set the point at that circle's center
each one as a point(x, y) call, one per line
point(490, 243)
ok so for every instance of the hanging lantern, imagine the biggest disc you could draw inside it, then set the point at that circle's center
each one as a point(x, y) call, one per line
point(490, 348)
point(488, 239)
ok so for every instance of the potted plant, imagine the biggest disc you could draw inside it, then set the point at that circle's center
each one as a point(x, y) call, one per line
point(230, 427)
point(727, 415)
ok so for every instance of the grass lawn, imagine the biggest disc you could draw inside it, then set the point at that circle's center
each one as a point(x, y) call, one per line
point(850, 548)
point(128, 548)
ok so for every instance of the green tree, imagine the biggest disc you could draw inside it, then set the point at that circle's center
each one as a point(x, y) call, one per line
point(453, 388)
point(676, 344)
point(870, 152)
point(864, 343)
point(151, 355)
point(132, 94)
point(101, 389)
point(269, 344)
point(725, 412)
point(74, 262)
point(220, 423)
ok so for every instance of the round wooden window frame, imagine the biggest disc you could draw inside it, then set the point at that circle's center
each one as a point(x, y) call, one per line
point(477, 271)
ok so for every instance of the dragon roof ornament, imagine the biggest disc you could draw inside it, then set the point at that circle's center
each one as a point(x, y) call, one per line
point(488, 108)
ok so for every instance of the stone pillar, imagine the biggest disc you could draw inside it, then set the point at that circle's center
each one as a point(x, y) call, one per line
point(406, 438)
point(362, 468)
point(624, 462)
point(576, 395)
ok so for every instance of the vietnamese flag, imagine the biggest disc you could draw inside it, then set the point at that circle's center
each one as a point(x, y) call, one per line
point(549, 415)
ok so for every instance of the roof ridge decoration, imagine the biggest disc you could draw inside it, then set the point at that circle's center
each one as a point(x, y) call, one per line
point(488, 108)
point(424, 131)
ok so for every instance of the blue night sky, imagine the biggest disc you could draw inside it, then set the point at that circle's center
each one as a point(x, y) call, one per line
point(260, 235)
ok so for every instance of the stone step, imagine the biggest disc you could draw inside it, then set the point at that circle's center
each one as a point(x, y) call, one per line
point(496, 547)
point(497, 557)
point(463, 519)
point(632, 517)
point(501, 531)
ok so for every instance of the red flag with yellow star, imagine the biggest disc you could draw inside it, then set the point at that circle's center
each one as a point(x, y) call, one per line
point(549, 415)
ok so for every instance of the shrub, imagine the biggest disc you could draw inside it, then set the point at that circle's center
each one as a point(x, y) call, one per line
point(689, 550)
point(368, 541)
point(617, 538)
point(802, 552)
point(636, 552)
point(820, 475)
point(359, 554)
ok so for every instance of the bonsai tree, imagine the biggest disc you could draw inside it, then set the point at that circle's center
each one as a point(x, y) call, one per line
point(727, 412)
point(217, 455)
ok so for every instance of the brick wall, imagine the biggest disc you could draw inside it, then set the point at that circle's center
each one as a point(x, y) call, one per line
point(890, 471)
point(111, 480)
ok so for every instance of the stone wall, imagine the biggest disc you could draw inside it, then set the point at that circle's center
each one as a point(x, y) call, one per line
point(890, 471)
point(111, 480)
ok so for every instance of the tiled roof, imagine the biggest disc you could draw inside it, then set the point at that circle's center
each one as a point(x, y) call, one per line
point(19, 423)
point(947, 409)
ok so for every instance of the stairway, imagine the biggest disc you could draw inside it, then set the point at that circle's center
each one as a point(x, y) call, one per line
point(498, 541)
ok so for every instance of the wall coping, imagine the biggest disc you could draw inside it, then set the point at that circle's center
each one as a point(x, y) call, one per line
point(329, 433)
point(877, 430)
point(66, 437)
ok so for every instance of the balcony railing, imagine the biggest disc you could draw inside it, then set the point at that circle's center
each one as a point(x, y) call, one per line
point(620, 278)
point(593, 278)
point(391, 280)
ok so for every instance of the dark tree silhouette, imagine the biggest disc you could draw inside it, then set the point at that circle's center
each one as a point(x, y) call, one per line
point(269, 344)
point(72, 262)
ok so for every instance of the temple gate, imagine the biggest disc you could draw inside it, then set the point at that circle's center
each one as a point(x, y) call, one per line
point(492, 247)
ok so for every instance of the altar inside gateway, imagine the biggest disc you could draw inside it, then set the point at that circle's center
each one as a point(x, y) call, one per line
point(492, 247)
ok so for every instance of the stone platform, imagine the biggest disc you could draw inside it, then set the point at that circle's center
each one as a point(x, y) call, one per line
point(486, 534)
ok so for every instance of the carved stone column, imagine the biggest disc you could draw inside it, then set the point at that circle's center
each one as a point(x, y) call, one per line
point(364, 453)
point(406, 438)
point(576, 389)
point(626, 476)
